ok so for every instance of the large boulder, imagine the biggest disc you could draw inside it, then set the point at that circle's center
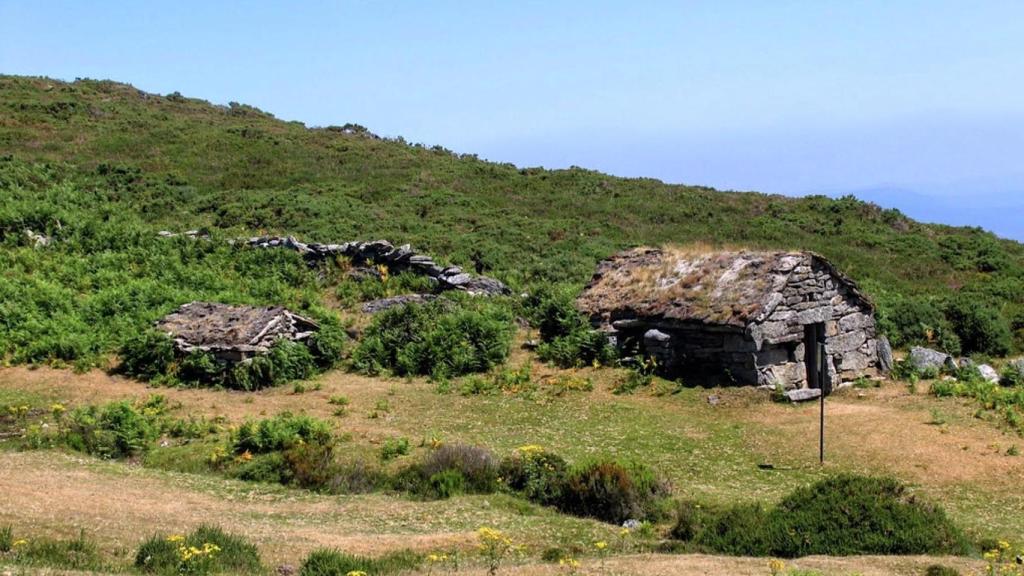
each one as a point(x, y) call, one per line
point(884, 350)
point(925, 358)
point(988, 373)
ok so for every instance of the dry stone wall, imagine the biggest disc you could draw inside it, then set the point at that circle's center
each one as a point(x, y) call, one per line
point(396, 258)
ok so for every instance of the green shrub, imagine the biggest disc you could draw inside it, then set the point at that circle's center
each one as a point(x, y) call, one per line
point(537, 474)
point(1011, 376)
point(639, 376)
point(270, 468)
point(979, 325)
point(436, 339)
point(843, 515)
point(115, 430)
point(447, 483)
point(337, 563)
point(859, 515)
point(200, 368)
point(280, 433)
point(915, 320)
point(612, 491)
point(147, 355)
point(6, 539)
point(157, 555)
point(233, 554)
point(393, 448)
point(477, 466)
point(80, 553)
point(567, 339)
point(327, 345)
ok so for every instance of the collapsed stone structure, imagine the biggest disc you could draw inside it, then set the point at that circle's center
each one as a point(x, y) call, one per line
point(397, 259)
point(233, 333)
point(751, 316)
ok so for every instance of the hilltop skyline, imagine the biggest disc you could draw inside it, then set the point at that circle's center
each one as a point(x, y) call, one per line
point(910, 106)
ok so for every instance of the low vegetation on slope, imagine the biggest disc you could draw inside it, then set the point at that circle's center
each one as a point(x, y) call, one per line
point(99, 167)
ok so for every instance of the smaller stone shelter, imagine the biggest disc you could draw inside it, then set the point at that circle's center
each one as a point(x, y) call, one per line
point(233, 333)
point(754, 317)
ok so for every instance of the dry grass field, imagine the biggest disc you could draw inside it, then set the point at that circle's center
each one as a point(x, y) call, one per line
point(714, 452)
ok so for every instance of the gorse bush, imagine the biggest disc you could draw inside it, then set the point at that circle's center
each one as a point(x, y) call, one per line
point(206, 550)
point(911, 321)
point(438, 339)
point(148, 355)
point(567, 339)
point(843, 515)
point(979, 325)
point(612, 491)
point(115, 430)
point(280, 433)
point(338, 563)
point(537, 474)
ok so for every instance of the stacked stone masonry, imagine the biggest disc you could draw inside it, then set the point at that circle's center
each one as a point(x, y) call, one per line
point(741, 316)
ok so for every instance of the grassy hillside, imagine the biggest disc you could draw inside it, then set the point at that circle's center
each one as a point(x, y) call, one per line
point(107, 165)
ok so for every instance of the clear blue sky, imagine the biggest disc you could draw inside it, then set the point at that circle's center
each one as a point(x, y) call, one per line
point(918, 105)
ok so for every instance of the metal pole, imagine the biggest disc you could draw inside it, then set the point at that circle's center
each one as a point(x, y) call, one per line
point(822, 378)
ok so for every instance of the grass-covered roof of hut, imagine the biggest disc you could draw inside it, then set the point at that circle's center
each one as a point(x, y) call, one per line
point(732, 287)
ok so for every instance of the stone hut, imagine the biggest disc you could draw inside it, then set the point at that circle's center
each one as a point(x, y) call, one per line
point(233, 333)
point(752, 317)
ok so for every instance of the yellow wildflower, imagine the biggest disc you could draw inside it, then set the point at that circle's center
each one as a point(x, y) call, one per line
point(1004, 545)
point(530, 450)
point(356, 573)
point(175, 538)
point(776, 566)
point(19, 543)
point(57, 409)
point(600, 545)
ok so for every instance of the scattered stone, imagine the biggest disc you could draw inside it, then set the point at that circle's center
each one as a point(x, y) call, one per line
point(713, 399)
point(38, 240)
point(382, 304)
point(926, 358)
point(803, 394)
point(988, 373)
point(531, 344)
point(286, 570)
point(631, 524)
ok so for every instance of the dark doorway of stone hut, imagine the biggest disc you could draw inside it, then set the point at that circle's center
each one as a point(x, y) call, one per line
point(815, 359)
